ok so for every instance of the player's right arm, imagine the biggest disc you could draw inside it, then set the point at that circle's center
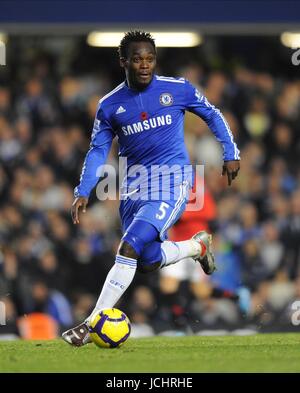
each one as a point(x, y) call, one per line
point(96, 157)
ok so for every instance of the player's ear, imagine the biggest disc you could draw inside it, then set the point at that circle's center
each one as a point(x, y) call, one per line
point(123, 62)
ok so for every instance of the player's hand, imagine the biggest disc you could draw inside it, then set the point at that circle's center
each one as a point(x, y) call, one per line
point(79, 202)
point(231, 168)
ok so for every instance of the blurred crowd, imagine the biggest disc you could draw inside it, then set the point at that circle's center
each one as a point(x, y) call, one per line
point(48, 265)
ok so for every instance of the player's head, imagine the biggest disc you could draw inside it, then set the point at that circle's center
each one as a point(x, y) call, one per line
point(137, 54)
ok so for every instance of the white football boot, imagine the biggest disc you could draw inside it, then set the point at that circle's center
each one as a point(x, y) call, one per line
point(206, 258)
point(77, 336)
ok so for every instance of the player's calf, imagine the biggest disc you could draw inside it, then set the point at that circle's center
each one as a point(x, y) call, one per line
point(148, 268)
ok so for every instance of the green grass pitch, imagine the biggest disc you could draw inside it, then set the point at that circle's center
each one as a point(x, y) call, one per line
point(256, 353)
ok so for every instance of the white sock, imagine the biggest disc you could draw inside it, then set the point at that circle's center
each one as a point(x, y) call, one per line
point(117, 281)
point(173, 252)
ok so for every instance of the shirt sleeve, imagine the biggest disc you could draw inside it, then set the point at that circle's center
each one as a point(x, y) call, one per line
point(198, 104)
point(96, 157)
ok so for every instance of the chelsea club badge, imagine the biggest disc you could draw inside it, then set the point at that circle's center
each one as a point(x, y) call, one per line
point(166, 99)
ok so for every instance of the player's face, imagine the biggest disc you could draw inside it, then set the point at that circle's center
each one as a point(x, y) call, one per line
point(140, 64)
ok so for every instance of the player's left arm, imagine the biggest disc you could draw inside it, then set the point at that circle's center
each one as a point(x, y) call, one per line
point(198, 104)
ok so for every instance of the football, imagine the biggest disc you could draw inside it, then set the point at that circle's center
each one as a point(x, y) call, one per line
point(109, 328)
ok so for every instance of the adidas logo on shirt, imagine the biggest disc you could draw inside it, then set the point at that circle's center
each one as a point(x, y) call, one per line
point(120, 110)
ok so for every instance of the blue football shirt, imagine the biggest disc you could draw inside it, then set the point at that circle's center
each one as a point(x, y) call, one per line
point(149, 128)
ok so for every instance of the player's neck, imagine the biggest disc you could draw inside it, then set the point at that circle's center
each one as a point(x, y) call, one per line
point(138, 87)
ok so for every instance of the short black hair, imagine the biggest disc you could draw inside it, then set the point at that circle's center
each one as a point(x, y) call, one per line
point(134, 36)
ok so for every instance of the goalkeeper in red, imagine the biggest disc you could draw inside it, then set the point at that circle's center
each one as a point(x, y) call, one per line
point(146, 114)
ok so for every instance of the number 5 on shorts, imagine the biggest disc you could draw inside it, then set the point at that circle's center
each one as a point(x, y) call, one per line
point(162, 211)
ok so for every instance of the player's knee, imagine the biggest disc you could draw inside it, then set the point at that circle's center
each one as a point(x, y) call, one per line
point(133, 242)
point(142, 268)
point(126, 250)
